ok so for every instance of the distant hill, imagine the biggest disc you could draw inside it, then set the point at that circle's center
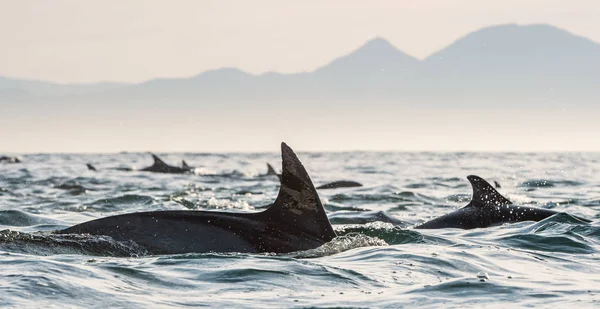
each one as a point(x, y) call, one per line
point(505, 60)
point(11, 87)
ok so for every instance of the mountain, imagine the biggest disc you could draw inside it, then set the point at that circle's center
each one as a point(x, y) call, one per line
point(514, 49)
point(513, 58)
point(505, 60)
point(375, 57)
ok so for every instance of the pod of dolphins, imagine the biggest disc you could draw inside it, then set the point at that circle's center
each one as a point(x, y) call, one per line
point(159, 166)
point(295, 221)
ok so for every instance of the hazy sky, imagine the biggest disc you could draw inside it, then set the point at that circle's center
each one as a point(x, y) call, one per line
point(135, 40)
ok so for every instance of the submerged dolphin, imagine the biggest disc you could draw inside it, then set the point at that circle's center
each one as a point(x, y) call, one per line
point(295, 221)
point(125, 169)
point(340, 184)
point(159, 166)
point(331, 185)
point(5, 159)
point(487, 207)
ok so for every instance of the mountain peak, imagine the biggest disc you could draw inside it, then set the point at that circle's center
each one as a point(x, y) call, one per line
point(513, 40)
point(379, 47)
point(376, 55)
point(518, 52)
point(378, 43)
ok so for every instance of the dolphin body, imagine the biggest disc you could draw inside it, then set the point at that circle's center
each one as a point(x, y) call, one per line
point(331, 185)
point(295, 221)
point(159, 166)
point(487, 208)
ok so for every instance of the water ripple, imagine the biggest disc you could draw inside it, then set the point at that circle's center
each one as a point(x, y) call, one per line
point(377, 260)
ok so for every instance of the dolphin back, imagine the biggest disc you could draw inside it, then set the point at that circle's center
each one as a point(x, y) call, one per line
point(487, 208)
point(340, 184)
point(159, 166)
point(295, 221)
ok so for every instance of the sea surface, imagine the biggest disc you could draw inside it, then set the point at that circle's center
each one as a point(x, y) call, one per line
point(378, 259)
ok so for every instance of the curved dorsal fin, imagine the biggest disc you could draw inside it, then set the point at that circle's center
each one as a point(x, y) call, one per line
point(90, 167)
point(157, 161)
point(270, 170)
point(298, 205)
point(184, 164)
point(484, 194)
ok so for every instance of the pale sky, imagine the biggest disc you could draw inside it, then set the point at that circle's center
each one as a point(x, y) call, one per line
point(135, 40)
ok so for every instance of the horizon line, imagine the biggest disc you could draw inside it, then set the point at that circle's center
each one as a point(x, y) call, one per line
point(12, 153)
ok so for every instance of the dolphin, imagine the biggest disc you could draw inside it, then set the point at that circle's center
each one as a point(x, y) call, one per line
point(331, 185)
point(340, 184)
point(295, 221)
point(90, 167)
point(5, 159)
point(487, 208)
point(271, 171)
point(159, 166)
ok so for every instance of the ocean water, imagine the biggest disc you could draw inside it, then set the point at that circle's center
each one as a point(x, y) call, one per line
point(378, 260)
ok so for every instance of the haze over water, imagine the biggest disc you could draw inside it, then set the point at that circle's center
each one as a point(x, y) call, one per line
point(499, 88)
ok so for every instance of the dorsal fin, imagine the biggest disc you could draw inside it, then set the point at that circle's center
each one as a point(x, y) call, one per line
point(90, 167)
point(157, 161)
point(270, 170)
point(298, 205)
point(484, 194)
point(184, 165)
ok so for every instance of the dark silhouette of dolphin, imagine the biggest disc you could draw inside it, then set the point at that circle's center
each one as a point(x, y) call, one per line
point(487, 207)
point(295, 221)
point(124, 169)
point(340, 184)
point(331, 185)
point(159, 166)
point(271, 171)
point(5, 159)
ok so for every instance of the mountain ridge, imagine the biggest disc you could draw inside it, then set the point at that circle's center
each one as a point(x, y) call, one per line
point(498, 59)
